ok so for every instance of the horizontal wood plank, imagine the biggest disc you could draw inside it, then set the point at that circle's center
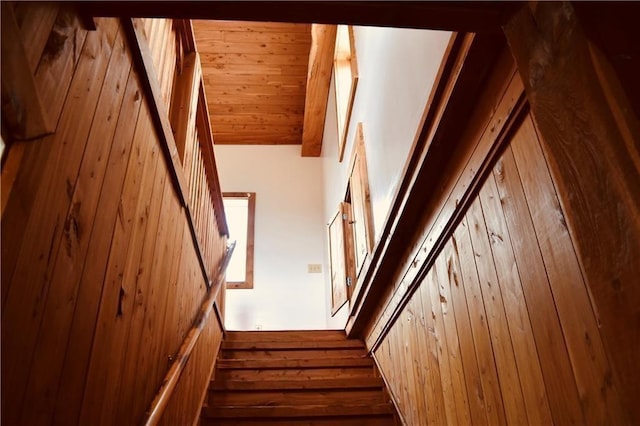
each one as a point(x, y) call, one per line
point(249, 26)
point(299, 411)
point(253, 58)
point(292, 354)
point(294, 363)
point(322, 344)
point(316, 384)
point(295, 374)
point(369, 420)
point(279, 397)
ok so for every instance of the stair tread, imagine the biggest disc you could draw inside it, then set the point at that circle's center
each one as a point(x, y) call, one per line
point(292, 344)
point(296, 377)
point(294, 363)
point(316, 410)
point(302, 383)
point(296, 397)
point(362, 420)
point(300, 336)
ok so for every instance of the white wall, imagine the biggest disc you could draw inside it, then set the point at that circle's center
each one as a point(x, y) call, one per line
point(296, 197)
point(397, 68)
point(289, 234)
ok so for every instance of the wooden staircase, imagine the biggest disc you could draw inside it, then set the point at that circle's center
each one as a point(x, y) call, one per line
point(296, 378)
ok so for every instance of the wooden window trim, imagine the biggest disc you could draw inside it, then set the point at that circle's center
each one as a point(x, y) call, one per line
point(251, 197)
point(359, 159)
point(345, 68)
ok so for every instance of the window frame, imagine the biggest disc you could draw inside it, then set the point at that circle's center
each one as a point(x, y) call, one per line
point(251, 218)
point(345, 75)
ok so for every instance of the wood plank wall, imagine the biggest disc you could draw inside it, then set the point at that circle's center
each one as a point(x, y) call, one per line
point(100, 278)
point(499, 326)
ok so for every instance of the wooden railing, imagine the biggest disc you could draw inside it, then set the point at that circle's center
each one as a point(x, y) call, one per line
point(167, 52)
point(161, 400)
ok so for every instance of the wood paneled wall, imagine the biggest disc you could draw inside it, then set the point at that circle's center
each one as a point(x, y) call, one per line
point(100, 277)
point(491, 321)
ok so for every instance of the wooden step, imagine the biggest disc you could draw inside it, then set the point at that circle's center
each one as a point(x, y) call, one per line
point(294, 353)
point(292, 344)
point(273, 398)
point(372, 420)
point(293, 363)
point(290, 411)
point(296, 378)
point(317, 384)
point(288, 336)
point(294, 373)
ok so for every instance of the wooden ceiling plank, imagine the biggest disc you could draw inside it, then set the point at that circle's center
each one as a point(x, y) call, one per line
point(264, 79)
point(267, 99)
point(251, 69)
point(256, 36)
point(244, 58)
point(213, 46)
point(318, 82)
point(256, 128)
point(255, 108)
point(260, 139)
point(257, 89)
point(251, 26)
point(263, 119)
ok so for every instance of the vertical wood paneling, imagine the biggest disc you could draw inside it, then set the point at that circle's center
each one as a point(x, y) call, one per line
point(453, 344)
point(78, 227)
point(454, 293)
point(103, 280)
point(434, 355)
point(510, 333)
point(515, 306)
point(554, 359)
point(591, 368)
point(86, 311)
point(29, 283)
point(491, 392)
point(496, 318)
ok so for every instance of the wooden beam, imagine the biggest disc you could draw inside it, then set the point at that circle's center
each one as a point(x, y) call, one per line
point(467, 16)
point(613, 29)
point(22, 110)
point(323, 41)
point(590, 137)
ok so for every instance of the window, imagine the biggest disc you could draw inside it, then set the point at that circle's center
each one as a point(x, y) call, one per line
point(345, 68)
point(240, 209)
point(351, 230)
point(360, 202)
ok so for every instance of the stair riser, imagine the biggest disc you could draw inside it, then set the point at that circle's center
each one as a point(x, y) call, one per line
point(275, 345)
point(329, 421)
point(294, 354)
point(297, 411)
point(294, 363)
point(286, 336)
point(296, 378)
point(266, 398)
point(295, 374)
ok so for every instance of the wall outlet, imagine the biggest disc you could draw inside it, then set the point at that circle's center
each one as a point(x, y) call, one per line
point(314, 268)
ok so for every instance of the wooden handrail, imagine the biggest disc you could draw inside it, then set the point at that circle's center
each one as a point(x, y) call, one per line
point(160, 402)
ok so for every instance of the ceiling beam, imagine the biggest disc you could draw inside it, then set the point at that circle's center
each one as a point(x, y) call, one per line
point(323, 40)
point(465, 16)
